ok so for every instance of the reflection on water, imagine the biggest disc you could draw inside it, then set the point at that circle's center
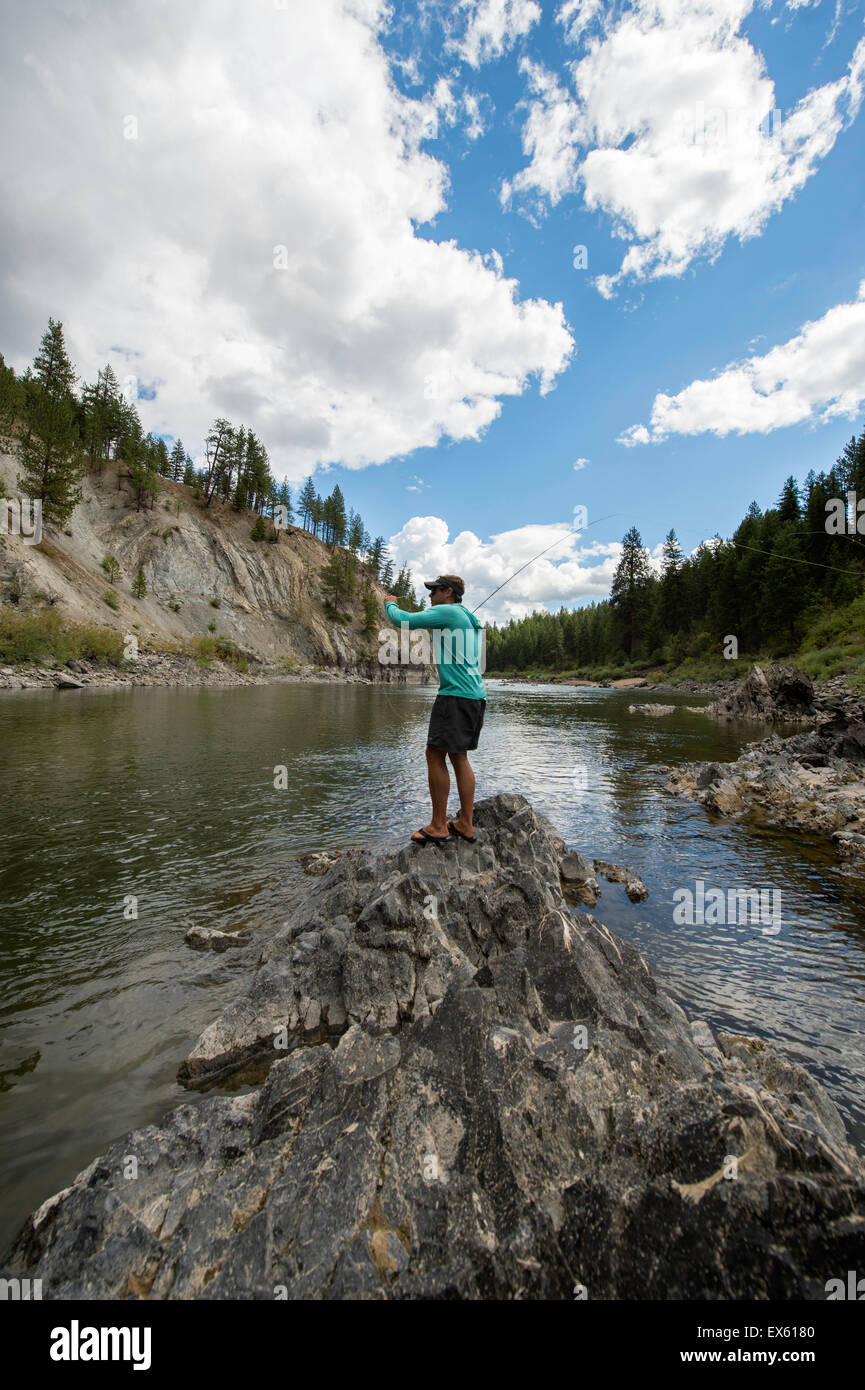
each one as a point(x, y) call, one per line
point(132, 813)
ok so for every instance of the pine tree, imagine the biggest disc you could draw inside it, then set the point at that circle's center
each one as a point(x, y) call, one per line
point(374, 554)
point(10, 397)
point(178, 461)
point(789, 504)
point(853, 462)
point(335, 517)
point(139, 584)
point(111, 566)
point(102, 417)
point(49, 449)
point(306, 503)
point(671, 553)
point(256, 473)
point(338, 580)
point(161, 462)
point(630, 582)
point(217, 446)
point(784, 586)
point(189, 472)
point(371, 615)
point(234, 463)
point(143, 480)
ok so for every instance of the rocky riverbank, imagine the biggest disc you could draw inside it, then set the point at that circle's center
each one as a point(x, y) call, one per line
point(811, 783)
point(472, 1091)
point(774, 695)
point(172, 669)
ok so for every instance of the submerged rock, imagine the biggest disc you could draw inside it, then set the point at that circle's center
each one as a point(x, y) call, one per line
point(209, 939)
point(487, 1096)
point(617, 873)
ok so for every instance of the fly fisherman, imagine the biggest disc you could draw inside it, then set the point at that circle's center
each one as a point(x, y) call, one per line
point(458, 709)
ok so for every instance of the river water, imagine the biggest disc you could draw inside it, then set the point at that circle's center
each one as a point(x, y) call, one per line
point(130, 814)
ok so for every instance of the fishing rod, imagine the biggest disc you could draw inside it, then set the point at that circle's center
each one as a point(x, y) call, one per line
point(540, 553)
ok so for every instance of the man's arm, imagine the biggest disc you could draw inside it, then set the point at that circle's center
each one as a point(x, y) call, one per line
point(437, 615)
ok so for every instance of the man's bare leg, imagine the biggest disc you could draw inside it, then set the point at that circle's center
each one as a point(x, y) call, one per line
point(439, 787)
point(466, 787)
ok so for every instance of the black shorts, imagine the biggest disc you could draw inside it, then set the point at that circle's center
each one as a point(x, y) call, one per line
point(455, 723)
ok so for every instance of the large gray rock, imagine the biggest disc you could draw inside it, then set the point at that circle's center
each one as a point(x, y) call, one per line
point(777, 693)
point(813, 783)
point(488, 1096)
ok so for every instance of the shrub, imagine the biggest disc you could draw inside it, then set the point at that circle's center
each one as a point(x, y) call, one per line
point(206, 648)
point(110, 598)
point(42, 635)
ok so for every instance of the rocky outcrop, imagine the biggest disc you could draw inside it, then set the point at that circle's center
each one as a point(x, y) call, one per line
point(812, 783)
point(778, 693)
point(781, 693)
point(478, 1093)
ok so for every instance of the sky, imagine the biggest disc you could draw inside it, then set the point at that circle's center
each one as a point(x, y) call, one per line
point(485, 263)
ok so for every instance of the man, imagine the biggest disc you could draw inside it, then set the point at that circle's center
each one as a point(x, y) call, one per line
point(458, 709)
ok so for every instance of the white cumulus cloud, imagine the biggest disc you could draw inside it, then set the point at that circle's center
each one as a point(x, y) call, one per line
point(817, 375)
point(569, 572)
point(493, 27)
point(227, 201)
point(660, 128)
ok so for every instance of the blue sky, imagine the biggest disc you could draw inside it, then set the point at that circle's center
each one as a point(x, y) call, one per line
point(354, 231)
point(656, 337)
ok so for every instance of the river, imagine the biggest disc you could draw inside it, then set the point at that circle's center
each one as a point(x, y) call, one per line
point(130, 814)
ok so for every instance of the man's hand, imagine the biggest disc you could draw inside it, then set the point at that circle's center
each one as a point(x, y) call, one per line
point(392, 598)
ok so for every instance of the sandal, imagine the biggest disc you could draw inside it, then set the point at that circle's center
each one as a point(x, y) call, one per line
point(427, 839)
point(469, 839)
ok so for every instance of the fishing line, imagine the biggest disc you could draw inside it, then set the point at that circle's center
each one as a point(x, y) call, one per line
point(795, 559)
point(539, 554)
point(561, 538)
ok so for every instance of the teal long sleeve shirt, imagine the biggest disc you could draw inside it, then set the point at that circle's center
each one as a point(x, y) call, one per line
point(456, 645)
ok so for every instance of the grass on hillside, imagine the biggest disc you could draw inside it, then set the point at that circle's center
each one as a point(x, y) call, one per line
point(44, 638)
point(206, 649)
